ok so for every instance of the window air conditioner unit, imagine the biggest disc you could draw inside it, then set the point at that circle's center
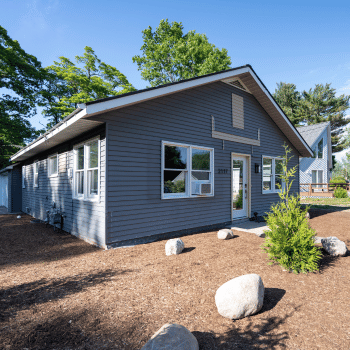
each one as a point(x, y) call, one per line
point(201, 188)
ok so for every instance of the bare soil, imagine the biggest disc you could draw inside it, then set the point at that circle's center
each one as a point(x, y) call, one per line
point(58, 292)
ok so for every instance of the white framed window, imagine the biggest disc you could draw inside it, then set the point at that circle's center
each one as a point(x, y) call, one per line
point(86, 177)
point(187, 171)
point(23, 176)
point(52, 164)
point(36, 174)
point(272, 171)
point(318, 152)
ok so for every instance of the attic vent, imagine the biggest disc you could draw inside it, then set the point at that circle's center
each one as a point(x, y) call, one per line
point(237, 83)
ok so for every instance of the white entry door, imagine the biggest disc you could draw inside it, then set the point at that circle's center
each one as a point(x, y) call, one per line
point(239, 187)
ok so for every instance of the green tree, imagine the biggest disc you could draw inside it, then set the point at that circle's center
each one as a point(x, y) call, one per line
point(289, 99)
point(21, 77)
point(321, 105)
point(169, 55)
point(86, 80)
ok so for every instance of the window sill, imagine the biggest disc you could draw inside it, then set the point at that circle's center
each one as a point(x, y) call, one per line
point(83, 199)
point(188, 197)
point(36, 186)
point(53, 175)
point(270, 192)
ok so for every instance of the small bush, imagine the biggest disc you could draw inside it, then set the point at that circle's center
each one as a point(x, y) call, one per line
point(337, 180)
point(340, 193)
point(289, 242)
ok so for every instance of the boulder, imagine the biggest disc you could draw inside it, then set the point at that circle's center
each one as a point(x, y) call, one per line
point(225, 234)
point(240, 297)
point(174, 246)
point(334, 246)
point(171, 337)
point(318, 240)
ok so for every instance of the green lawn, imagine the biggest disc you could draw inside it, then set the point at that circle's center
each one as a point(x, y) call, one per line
point(327, 203)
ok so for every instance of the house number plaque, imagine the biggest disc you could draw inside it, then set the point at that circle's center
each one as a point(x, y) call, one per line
point(222, 171)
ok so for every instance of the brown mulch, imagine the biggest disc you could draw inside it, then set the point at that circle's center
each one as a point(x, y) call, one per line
point(58, 292)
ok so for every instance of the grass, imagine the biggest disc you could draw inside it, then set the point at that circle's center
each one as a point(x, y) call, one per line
point(327, 203)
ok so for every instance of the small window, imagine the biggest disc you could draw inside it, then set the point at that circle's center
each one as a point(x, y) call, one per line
point(272, 174)
point(320, 149)
point(36, 174)
point(187, 171)
point(53, 165)
point(86, 170)
point(23, 176)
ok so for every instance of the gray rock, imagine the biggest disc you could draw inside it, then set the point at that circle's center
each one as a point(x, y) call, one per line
point(318, 240)
point(174, 246)
point(172, 337)
point(240, 297)
point(261, 234)
point(334, 246)
point(225, 234)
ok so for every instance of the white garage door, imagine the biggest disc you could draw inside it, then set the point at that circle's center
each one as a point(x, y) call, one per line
point(4, 190)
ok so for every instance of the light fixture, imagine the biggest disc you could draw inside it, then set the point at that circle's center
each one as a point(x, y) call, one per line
point(257, 168)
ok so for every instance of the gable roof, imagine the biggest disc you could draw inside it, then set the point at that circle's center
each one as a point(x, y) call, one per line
point(311, 133)
point(79, 121)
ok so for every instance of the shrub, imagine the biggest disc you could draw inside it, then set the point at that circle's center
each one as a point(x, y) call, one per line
point(340, 193)
point(289, 241)
point(337, 180)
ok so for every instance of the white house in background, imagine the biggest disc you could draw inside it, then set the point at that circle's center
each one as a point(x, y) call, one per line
point(317, 168)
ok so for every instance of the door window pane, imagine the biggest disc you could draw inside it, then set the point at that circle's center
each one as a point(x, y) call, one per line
point(237, 184)
point(175, 181)
point(175, 157)
point(200, 159)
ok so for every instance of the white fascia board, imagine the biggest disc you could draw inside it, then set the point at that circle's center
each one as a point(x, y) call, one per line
point(166, 90)
point(280, 111)
point(54, 132)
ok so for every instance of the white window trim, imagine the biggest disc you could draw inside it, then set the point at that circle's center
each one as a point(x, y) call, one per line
point(273, 187)
point(84, 196)
point(23, 176)
point(188, 193)
point(35, 184)
point(48, 165)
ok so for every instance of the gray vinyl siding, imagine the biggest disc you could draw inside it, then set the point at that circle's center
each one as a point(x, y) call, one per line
point(134, 205)
point(85, 219)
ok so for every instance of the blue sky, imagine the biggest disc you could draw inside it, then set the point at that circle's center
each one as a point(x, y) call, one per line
point(301, 42)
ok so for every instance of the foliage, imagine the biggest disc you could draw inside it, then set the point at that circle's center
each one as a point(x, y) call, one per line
point(337, 180)
point(21, 76)
point(340, 193)
point(86, 80)
point(317, 105)
point(169, 55)
point(238, 204)
point(201, 161)
point(289, 240)
point(174, 187)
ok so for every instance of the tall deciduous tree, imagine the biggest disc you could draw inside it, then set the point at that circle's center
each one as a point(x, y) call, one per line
point(86, 80)
point(317, 105)
point(169, 55)
point(21, 76)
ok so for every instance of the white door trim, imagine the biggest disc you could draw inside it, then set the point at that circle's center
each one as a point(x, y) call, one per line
point(249, 183)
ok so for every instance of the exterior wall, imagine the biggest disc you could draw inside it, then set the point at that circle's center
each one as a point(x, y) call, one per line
point(309, 164)
point(85, 219)
point(134, 205)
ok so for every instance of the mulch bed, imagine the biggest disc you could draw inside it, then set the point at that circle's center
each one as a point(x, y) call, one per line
point(58, 292)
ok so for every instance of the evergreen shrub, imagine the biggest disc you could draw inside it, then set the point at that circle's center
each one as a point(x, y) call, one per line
point(289, 241)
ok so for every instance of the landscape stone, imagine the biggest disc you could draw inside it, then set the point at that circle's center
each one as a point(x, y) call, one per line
point(172, 337)
point(240, 297)
point(225, 234)
point(174, 246)
point(318, 240)
point(334, 246)
point(260, 234)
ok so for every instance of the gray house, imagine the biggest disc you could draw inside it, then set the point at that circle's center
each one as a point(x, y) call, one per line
point(177, 158)
point(316, 169)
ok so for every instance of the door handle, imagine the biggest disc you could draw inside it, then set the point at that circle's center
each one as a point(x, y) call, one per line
point(245, 192)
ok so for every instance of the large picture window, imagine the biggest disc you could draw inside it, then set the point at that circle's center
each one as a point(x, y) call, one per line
point(87, 170)
point(187, 171)
point(272, 172)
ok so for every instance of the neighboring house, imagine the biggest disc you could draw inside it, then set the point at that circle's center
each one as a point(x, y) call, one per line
point(111, 166)
point(10, 188)
point(316, 169)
